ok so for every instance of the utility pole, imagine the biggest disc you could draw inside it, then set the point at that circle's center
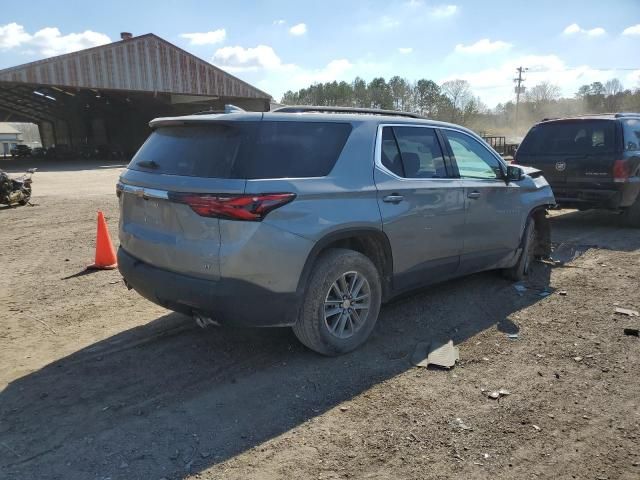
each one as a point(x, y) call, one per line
point(519, 90)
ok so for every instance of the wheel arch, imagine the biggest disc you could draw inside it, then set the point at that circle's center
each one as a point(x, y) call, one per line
point(543, 229)
point(371, 242)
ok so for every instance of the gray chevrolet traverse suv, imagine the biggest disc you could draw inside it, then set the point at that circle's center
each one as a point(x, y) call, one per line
point(312, 217)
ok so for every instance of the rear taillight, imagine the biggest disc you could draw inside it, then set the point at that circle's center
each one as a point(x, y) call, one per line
point(233, 207)
point(621, 171)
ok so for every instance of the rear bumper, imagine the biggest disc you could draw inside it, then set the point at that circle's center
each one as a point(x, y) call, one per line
point(620, 195)
point(227, 301)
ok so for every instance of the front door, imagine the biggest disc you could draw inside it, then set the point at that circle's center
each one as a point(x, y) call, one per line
point(422, 205)
point(494, 212)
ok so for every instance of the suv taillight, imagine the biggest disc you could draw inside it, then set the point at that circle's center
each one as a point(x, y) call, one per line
point(621, 171)
point(233, 207)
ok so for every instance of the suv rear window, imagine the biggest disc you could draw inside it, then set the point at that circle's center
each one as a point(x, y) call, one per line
point(570, 137)
point(248, 150)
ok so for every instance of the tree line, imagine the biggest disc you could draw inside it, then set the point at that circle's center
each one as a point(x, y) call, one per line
point(454, 101)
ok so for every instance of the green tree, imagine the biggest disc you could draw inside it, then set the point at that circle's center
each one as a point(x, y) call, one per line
point(380, 94)
point(426, 95)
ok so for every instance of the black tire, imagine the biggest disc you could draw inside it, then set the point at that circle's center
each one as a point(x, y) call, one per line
point(313, 329)
point(522, 267)
point(631, 216)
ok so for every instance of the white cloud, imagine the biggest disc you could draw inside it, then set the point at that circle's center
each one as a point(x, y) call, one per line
point(49, 41)
point(405, 50)
point(280, 21)
point(482, 46)
point(495, 84)
point(387, 22)
point(240, 59)
point(632, 30)
point(443, 11)
point(414, 3)
point(206, 38)
point(575, 28)
point(334, 70)
point(13, 35)
point(299, 29)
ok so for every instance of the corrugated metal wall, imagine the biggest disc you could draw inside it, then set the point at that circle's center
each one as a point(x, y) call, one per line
point(145, 63)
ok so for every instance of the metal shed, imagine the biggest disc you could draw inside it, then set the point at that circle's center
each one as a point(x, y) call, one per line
point(108, 94)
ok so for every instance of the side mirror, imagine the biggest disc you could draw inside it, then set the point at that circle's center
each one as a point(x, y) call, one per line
point(514, 173)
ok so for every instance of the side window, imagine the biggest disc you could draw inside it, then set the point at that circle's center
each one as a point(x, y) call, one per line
point(421, 153)
point(473, 159)
point(390, 155)
point(412, 152)
point(631, 133)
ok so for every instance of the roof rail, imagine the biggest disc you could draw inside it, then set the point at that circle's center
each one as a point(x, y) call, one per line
point(627, 114)
point(362, 111)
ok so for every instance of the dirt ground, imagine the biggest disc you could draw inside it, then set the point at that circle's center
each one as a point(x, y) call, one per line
point(98, 383)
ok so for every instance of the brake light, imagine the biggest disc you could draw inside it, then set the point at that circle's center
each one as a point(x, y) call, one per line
point(233, 207)
point(621, 171)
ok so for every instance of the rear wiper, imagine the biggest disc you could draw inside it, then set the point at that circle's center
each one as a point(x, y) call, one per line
point(148, 164)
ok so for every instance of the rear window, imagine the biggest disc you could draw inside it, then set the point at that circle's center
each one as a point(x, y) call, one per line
point(631, 129)
point(568, 137)
point(244, 150)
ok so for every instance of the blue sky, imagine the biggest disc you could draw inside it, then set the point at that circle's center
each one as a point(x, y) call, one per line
point(282, 44)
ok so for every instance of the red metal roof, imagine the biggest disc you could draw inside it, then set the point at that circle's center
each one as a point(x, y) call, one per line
point(145, 63)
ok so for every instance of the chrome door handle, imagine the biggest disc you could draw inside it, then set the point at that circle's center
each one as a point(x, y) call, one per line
point(473, 195)
point(393, 198)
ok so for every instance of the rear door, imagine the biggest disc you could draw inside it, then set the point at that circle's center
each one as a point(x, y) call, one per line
point(182, 158)
point(422, 206)
point(493, 208)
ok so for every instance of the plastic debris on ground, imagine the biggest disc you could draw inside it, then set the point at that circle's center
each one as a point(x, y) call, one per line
point(495, 394)
point(627, 312)
point(434, 353)
point(520, 288)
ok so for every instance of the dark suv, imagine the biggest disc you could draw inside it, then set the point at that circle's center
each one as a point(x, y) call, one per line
point(590, 161)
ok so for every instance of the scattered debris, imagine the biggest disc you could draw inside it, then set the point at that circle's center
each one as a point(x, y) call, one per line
point(519, 288)
point(634, 332)
point(512, 336)
point(495, 394)
point(562, 293)
point(344, 409)
point(537, 428)
point(577, 359)
point(627, 312)
point(45, 324)
point(442, 355)
point(461, 425)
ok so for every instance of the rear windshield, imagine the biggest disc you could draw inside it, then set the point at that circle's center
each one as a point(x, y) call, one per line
point(631, 129)
point(570, 137)
point(244, 150)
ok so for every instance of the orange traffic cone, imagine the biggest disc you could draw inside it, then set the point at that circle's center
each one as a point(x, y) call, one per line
point(105, 253)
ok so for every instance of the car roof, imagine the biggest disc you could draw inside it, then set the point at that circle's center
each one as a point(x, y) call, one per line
point(592, 116)
point(343, 116)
